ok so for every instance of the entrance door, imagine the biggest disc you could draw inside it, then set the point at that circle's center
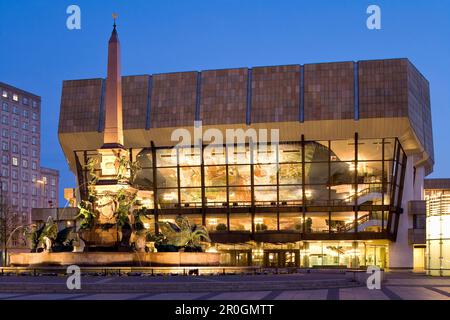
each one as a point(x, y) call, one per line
point(419, 259)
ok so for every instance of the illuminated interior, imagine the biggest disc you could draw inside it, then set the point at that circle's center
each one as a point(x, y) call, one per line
point(304, 190)
point(438, 232)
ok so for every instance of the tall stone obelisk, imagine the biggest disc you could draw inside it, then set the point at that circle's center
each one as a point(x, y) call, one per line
point(113, 134)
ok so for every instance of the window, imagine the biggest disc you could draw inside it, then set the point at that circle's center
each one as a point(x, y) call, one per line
point(5, 159)
point(25, 163)
point(15, 187)
point(25, 203)
point(5, 133)
point(5, 94)
point(14, 174)
point(5, 119)
point(15, 97)
point(34, 104)
point(25, 138)
point(25, 101)
point(33, 203)
point(34, 178)
point(34, 153)
point(24, 189)
point(25, 176)
point(5, 172)
point(24, 151)
point(53, 194)
point(14, 202)
point(15, 123)
point(5, 146)
point(34, 165)
point(53, 182)
point(15, 148)
point(16, 110)
point(33, 141)
point(25, 126)
point(34, 191)
point(15, 161)
point(5, 186)
point(34, 129)
point(5, 107)
point(35, 117)
point(15, 135)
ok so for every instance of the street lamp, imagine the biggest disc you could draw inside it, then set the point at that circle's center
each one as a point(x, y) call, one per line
point(42, 182)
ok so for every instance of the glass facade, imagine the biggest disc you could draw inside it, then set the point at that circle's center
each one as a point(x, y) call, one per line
point(309, 188)
point(438, 232)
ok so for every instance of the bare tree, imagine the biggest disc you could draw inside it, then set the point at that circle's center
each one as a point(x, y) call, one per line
point(9, 226)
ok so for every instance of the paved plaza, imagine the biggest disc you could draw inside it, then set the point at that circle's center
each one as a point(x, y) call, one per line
point(398, 286)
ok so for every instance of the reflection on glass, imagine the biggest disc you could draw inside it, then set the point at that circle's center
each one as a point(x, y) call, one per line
point(166, 157)
point(215, 176)
point(316, 222)
point(265, 174)
point(240, 195)
point(168, 196)
point(290, 173)
point(216, 196)
point(291, 193)
point(189, 156)
point(370, 149)
point(190, 177)
point(239, 175)
point(240, 222)
point(292, 221)
point(342, 222)
point(290, 152)
point(214, 154)
point(265, 222)
point(216, 222)
point(191, 195)
point(167, 177)
point(266, 194)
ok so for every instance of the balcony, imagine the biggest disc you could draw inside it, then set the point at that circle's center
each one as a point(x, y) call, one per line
point(417, 207)
point(416, 236)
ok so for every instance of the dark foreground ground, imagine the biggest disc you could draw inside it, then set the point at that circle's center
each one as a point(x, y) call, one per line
point(304, 286)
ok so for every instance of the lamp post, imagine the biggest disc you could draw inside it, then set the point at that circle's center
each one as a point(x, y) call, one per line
point(42, 183)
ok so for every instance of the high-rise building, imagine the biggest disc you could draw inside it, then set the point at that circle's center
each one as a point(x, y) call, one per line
point(25, 183)
point(353, 144)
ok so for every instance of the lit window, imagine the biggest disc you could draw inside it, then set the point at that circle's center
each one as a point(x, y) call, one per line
point(15, 161)
point(5, 94)
point(15, 97)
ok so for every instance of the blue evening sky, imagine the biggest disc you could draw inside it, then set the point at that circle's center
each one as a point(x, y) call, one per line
point(37, 51)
